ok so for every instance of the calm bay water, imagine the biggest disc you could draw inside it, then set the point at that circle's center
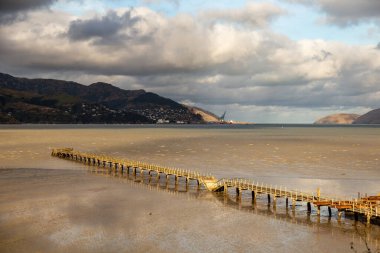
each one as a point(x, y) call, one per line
point(53, 205)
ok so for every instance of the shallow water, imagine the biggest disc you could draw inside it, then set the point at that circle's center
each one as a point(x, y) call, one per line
point(53, 205)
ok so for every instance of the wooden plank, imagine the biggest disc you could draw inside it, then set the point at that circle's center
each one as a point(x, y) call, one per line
point(342, 207)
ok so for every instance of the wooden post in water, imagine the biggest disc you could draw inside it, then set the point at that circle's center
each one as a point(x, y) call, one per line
point(225, 188)
point(339, 215)
point(329, 210)
point(268, 199)
point(253, 197)
point(308, 207)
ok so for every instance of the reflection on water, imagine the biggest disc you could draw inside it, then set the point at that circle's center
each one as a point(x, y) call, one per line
point(358, 231)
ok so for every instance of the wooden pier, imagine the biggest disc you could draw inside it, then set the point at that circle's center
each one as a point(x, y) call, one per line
point(134, 167)
point(367, 208)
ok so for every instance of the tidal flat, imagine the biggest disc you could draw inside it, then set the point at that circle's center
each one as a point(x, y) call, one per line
point(53, 205)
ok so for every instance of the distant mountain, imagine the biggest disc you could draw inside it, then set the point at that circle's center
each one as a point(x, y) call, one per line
point(206, 115)
point(25, 100)
point(372, 117)
point(341, 118)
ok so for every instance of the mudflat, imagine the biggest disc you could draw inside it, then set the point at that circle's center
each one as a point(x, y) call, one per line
point(53, 205)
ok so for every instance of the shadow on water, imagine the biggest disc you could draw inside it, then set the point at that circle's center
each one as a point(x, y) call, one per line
point(358, 231)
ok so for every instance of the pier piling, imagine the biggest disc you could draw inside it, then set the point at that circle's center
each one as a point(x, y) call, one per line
point(365, 206)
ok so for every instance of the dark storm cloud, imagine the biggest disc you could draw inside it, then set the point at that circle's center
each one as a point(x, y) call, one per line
point(105, 28)
point(11, 10)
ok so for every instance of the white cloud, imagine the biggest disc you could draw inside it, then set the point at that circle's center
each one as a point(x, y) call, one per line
point(210, 79)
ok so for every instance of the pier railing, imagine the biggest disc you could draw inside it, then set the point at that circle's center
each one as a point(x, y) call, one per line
point(368, 207)
point(124, 164)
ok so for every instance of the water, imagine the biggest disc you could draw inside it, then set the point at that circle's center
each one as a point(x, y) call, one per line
point(53, 205)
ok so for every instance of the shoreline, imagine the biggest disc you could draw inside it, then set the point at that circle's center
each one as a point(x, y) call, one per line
point(183, 126)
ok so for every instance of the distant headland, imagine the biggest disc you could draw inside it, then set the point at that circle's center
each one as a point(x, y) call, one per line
point(371, 117)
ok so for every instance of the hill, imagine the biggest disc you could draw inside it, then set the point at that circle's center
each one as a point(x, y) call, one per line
point(207, 116)
point(372, 117)
point(25, 100)
point(341, 118)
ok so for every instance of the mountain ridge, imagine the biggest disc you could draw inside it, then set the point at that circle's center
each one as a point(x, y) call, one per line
point(40, 100)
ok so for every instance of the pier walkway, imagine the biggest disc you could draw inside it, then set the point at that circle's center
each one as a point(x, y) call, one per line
point(367, 208)
point(133, 167)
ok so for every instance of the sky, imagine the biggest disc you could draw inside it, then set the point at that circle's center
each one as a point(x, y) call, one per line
point(274, 61)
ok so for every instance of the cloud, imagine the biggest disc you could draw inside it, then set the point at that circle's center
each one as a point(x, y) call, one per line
point(104, 29)
point(11, 10)
point(217, 64)
point(22, 5)
point(253, 14)
point(346, 12)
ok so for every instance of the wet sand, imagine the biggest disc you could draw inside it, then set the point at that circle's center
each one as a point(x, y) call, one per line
point(53, 205)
